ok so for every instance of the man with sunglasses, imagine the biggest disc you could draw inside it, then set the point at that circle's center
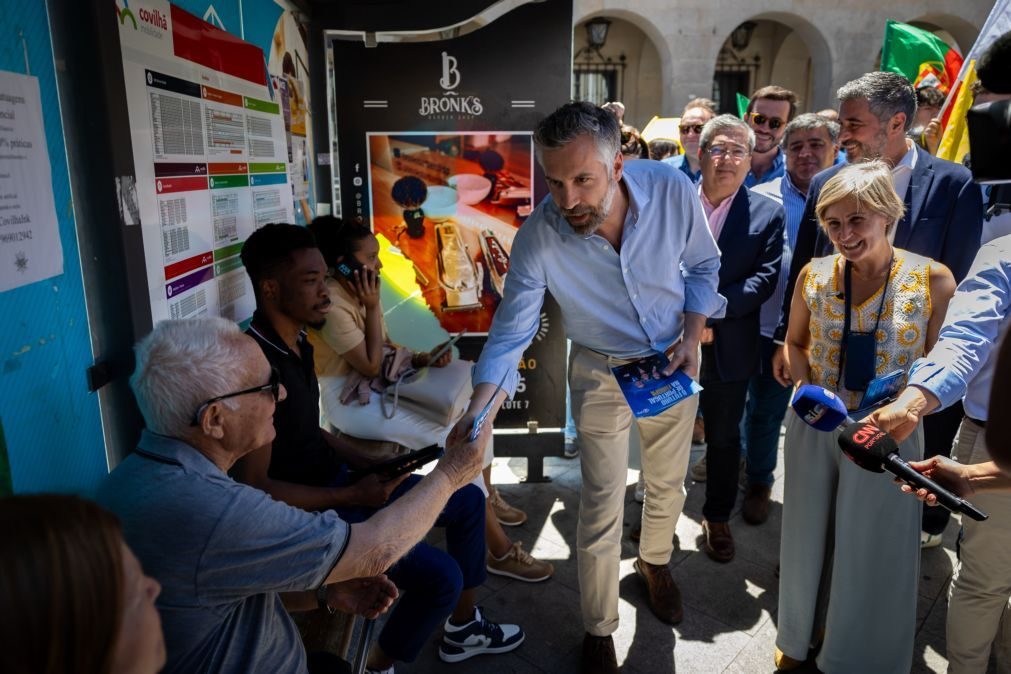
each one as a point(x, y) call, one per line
point(232, 561)
point(769, 111)
point(748, 228)
point(695, 115)
point(308, 467)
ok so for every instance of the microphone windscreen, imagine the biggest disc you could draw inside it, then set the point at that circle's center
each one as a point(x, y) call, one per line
point(819, 408)
point(866, 445)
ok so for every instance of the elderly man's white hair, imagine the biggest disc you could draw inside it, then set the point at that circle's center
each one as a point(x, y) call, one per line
point(180, 365)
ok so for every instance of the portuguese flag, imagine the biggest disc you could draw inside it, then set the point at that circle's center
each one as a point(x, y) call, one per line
point(922, 57)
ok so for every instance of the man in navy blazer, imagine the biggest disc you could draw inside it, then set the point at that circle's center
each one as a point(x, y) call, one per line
point(943, 219)
point(748, 229)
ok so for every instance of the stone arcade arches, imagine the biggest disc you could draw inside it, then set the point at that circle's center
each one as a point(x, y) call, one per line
point(839, 39)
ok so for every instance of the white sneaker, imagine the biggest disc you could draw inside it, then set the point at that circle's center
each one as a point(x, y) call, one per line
point(640, 489)
point(476, 637)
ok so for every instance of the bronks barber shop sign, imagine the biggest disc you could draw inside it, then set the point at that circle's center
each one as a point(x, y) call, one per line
point(451, 102)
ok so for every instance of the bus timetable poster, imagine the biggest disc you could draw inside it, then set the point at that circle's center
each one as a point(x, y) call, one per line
point(210, 155)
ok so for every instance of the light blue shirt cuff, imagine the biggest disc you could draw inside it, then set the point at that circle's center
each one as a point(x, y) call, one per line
point(701, 299)
point(492, 371)
point(946, 385)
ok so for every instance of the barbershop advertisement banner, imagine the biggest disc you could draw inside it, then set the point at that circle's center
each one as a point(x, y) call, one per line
point(434, 149)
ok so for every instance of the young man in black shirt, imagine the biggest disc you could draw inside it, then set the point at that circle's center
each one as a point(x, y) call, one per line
point(307, 467)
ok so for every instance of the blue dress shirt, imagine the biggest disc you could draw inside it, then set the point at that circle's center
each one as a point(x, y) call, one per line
point(223, 552)
point(963, 360)
point(679, 162)
point(782, 191)
point(624, 304)
point(777, 170)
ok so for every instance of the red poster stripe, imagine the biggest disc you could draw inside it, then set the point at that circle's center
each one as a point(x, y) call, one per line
point(212, 94)
point(222, 169)
point(196, 40)
point(169, 185)
point(189, 264)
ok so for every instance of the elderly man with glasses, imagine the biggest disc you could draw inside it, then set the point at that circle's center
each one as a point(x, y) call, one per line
point(748, 229)
point(769, 111)
point(231, 560)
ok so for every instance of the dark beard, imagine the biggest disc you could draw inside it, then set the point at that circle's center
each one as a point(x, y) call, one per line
point(597, 215)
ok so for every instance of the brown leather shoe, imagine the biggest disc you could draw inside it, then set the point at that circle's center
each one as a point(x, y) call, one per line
point(598, 655)
point(756, 503)
point(664, 595)
point(719, 541)
point(699, 431)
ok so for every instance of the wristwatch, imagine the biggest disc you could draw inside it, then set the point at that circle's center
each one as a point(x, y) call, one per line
point(321, 600)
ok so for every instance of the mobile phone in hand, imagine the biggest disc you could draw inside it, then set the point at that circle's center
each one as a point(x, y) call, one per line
point(446, 347)
point(348, 266)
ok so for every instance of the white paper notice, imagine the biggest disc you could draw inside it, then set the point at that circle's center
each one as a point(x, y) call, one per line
point(30, 247)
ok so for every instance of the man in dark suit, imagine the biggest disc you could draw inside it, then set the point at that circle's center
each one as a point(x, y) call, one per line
point(943, 220)
point(748, 228)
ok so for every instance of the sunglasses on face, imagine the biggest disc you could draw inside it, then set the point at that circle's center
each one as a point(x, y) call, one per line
point(758, 119)
point(690, 128)
point(273, 385)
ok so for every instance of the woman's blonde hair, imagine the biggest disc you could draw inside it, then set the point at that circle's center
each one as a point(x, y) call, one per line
point(870, 183)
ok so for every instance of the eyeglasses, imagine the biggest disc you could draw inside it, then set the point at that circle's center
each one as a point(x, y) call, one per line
point(733, 152)
point(758, 119)
point(690, 128)
point(274, 386)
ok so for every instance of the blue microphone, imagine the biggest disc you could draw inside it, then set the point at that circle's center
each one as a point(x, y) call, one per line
point(820, 408)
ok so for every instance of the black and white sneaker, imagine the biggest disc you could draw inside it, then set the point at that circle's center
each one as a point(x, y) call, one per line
point(476, 637)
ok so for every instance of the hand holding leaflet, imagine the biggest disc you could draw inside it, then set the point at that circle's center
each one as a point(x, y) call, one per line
point(648, 390)
point(475, 429)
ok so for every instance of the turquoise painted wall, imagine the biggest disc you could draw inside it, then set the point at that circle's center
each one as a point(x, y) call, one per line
point(50, 422)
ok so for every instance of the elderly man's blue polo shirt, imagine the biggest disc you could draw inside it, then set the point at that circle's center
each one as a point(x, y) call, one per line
point(222, 552)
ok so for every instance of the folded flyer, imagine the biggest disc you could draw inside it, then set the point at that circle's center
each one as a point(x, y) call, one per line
point(648, 391)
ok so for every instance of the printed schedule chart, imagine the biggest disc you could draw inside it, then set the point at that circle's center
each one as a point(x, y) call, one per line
point(210, 157)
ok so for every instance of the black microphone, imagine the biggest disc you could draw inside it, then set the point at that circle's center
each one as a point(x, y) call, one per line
point(873, 449)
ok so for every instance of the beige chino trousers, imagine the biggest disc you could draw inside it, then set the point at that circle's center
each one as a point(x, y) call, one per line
point(603, 420)
point(981, 585)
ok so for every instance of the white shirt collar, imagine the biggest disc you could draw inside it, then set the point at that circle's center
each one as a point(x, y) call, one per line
point(908, 162)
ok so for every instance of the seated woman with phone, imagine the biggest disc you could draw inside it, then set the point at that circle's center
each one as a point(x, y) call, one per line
point(352, 348)
point(850, 539)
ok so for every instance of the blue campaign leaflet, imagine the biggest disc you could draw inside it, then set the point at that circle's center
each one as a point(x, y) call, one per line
point(647, 391)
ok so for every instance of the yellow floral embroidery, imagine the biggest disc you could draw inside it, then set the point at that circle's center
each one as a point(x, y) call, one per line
point(901, 332)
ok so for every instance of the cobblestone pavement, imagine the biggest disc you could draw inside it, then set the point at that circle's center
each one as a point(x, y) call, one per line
point(730, 609)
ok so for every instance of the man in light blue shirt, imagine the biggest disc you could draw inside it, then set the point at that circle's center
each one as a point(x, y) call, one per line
point(810, 144)
point(961, 367)
point(626, 252)
point(695, 115)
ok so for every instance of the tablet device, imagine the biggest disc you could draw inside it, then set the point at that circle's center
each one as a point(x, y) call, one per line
point(400, 465)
